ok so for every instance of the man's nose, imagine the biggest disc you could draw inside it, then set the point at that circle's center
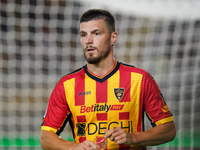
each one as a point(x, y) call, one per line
point(89, 39)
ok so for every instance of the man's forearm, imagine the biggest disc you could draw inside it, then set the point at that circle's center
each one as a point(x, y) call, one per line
point(157, 135)
point(51, 141)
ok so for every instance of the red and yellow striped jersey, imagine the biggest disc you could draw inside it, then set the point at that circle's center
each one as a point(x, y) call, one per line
point(92, 104)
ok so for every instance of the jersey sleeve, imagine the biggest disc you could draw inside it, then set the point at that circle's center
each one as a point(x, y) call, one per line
point(56, 115)
point(154, 104)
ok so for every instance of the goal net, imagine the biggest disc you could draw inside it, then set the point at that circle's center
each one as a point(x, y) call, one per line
point(39, 43)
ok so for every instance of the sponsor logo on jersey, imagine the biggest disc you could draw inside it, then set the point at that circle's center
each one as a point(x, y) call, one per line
point(84, 93)
point(81, 129)
point(119, 92)
point(100, 108)
point(98, 128)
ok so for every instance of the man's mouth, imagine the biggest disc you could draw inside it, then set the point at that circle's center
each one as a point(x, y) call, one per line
point(90, 49)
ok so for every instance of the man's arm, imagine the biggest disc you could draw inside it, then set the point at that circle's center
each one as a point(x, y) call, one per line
point(157, 135)
point(51, 141)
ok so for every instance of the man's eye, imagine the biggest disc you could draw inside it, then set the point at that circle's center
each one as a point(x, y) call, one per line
point(96, 33)
point(83, 35)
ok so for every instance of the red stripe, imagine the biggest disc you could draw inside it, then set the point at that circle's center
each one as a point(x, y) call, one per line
point(101, 116)
point(123, 115)
point(125, 82)
point(81, 118)
point(82, 139)
point(101, 92)
point(79, 92)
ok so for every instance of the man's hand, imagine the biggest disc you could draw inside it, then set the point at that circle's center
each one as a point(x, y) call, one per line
point(119, 136)
point(86, 145)
point(157, 135)
point(51, 141)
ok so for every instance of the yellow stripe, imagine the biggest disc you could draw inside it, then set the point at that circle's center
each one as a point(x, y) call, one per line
point(69, 86)
point(136, 80)
point(165, 120)
point(113, 82)
point(90, 85)
point(46, 128)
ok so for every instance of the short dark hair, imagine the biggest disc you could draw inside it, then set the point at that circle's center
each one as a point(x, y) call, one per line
point(95, 14)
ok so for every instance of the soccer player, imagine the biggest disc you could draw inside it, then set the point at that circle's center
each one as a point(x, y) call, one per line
point(105, 95)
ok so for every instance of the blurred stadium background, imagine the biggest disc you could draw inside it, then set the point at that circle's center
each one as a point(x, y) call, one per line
point(39, 43)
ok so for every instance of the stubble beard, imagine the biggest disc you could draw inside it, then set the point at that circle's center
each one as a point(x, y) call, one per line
point(95, 60)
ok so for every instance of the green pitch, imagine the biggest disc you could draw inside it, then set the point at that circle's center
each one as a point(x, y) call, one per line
point(183, 139)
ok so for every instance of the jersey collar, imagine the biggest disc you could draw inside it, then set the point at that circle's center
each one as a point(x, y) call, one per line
point(106, 76)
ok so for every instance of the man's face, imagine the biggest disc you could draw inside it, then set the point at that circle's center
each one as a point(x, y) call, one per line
point(95, 40)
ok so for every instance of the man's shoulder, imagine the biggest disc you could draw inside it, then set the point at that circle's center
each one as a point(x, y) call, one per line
point(134, 69)
point(76, 73)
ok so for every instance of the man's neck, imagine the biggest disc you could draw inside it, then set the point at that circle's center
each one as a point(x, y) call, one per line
point(101, 68)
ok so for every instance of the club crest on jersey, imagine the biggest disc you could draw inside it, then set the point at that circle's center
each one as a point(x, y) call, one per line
point(81, 129)
point(119, 92)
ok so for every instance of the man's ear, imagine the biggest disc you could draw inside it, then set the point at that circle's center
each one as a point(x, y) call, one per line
point(113, 38)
